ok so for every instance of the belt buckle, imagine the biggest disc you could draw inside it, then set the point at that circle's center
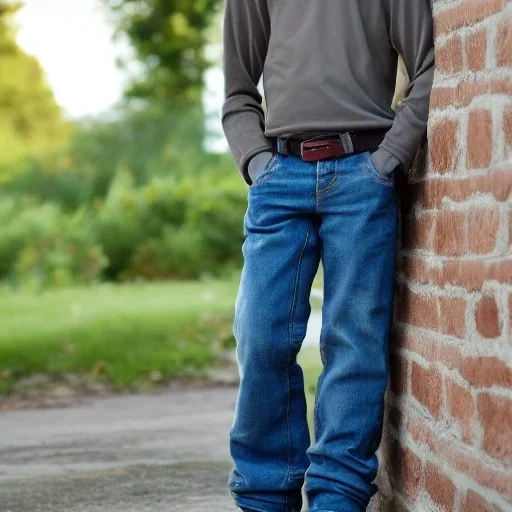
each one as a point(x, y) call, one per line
point(312, 150)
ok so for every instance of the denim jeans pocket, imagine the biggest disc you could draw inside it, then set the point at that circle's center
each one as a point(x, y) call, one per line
point(375, 174)
point(267, 170)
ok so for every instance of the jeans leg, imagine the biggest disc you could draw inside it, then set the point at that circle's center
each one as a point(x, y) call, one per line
point(269, 434)
point(358, 233)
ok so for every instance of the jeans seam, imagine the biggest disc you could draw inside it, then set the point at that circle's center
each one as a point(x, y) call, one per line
point(290, 336)
point(328, 187)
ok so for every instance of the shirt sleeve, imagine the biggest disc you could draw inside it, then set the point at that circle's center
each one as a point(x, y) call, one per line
point(411, 34)
point(246, 32)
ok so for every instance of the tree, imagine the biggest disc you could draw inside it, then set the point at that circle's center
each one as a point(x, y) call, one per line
point(30, 118)
point(168, 37)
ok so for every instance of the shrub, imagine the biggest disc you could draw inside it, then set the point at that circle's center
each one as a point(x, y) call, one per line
point(177, 254)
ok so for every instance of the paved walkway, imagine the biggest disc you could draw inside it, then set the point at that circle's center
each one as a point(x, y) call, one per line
point(144, 453)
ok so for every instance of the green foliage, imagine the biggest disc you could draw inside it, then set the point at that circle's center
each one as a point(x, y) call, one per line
point(217, 209)
point(128, 197)
point(30, 119)
point(176, 253)
point(168, 38)
point(154, 141)
point(125, 337)
point(172, 227)
point(40, 246)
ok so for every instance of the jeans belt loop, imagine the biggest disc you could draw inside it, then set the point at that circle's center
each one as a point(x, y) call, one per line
point(346, 141)
point(282, 146)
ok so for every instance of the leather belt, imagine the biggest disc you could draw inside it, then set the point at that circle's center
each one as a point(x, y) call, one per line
point(321, 146)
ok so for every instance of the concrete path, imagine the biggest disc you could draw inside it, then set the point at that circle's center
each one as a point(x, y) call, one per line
point(144, 453)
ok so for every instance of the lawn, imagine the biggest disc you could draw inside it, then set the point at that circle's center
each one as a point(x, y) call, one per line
point(123, 335)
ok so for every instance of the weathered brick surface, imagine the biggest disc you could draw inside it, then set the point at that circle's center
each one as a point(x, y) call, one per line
point(487, 317)
point(449, 417)
point(475, 503)
point(476, 49)
point(479, 142)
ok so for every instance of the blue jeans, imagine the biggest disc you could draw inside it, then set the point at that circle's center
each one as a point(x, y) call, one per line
point(342, 212)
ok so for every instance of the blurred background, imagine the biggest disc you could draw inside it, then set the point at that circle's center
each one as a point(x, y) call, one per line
point(120, 206)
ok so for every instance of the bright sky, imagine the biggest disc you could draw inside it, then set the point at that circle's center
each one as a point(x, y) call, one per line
point(73, 42)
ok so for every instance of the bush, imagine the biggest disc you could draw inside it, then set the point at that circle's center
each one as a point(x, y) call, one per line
point(134, 197)
point(177, 254)
point(216, 212)
point(118, 226)
point(41, 246)
point(67, 255)
point(171, 228)
point(23, 222)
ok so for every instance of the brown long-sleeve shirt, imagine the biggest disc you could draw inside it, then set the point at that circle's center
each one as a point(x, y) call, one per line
point(327, 65)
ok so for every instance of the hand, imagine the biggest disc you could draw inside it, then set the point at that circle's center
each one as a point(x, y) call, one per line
point(258, 163)
point(384, 161)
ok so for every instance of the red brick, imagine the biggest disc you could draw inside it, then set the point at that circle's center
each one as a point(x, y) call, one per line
point(495, 182)
point(459, 458)
point(470, 274)
point(418, 231)
point(507, 125)
point(495, 415)
point(503, 45)
point(475, 503)
point(430, 193)
point(440, 487)
point(416, 268)
point(449, 56)
point(429, 347)
point(510, 227)
point(442, 97)
point(487, 317)
point(510, 316)
point(459, 404)
point(501, 86)
point(466, 90)
point(426, 386)
point(465, 14)
point(479, 142)
point(449, 233)
point(409, 472)
point(476, 468)
point(476, 50)
point(500, 271)
point(443, 145)
point(483, 229)
point(469, 89)
point(420, 310)
point(472, 87)
point(453, 316)
point(422, 435)
point(486, 372)
point(449, 355)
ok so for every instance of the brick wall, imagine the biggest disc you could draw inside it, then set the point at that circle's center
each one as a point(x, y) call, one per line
point(447, 443)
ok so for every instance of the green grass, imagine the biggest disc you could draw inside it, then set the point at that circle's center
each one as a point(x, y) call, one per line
point(120, 334)
point(125, 335)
